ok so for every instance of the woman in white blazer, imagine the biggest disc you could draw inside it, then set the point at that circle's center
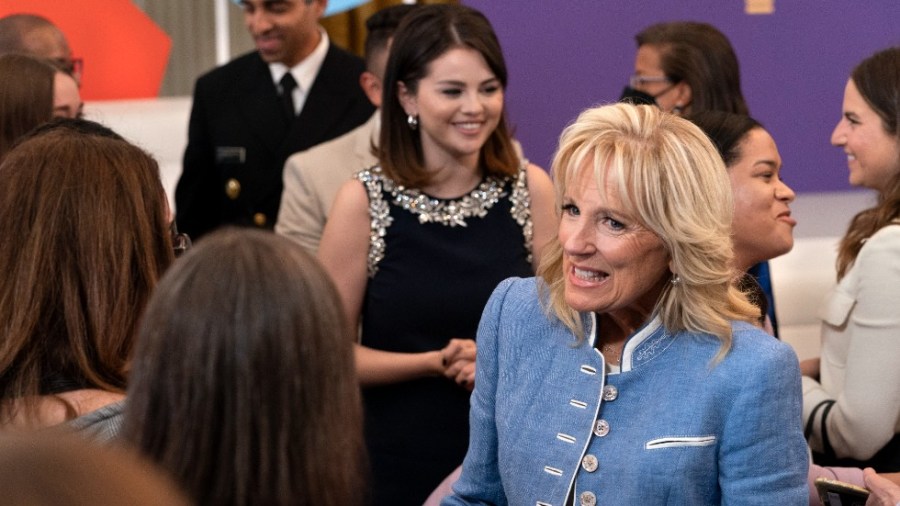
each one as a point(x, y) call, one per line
point(851, 395)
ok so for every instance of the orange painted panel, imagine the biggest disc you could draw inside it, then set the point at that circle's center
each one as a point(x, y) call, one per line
point(125, 53)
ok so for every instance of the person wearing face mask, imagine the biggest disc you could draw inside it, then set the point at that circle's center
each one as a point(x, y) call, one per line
point(685, 67)
point(851, 395)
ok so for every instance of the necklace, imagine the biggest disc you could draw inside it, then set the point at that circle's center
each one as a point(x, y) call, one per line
point(610, 352)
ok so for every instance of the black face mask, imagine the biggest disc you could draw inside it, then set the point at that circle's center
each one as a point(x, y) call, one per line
point(636, 97)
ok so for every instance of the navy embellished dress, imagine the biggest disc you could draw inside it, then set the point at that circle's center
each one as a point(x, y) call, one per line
point(433, 264)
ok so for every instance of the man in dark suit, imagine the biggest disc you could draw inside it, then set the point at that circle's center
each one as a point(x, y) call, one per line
point(297, 90)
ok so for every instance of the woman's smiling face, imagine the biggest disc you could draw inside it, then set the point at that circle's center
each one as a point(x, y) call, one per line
point(459, 103)
point(873, 154)
point(610, 261)
point(762, 227)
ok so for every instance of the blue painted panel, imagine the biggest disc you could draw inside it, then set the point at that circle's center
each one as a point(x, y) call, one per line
point(336, 6)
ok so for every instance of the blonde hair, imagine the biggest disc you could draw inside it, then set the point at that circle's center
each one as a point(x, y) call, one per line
point(671, 178)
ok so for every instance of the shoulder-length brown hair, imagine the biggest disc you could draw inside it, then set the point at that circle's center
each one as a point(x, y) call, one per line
point(700, 55)
point(424, 35)
point(244, 385)
point(85, 239)
point(878, 80)
point(26, 96)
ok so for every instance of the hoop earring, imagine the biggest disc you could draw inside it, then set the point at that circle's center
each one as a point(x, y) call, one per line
point(412, 121)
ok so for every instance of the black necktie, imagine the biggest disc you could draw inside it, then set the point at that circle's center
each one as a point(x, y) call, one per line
point(288, 84)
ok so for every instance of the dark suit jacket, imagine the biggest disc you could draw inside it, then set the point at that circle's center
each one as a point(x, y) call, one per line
point(238, 138)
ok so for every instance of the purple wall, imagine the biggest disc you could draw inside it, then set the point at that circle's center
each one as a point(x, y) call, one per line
point(566, 55)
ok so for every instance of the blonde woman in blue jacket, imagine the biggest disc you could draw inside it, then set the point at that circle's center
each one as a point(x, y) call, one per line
point(630, 371)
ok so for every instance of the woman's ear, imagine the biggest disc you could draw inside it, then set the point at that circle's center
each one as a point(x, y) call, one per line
point(407, 99)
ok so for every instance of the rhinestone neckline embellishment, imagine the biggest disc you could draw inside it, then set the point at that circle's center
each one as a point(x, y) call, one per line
point(452, 213)
point(480, 201)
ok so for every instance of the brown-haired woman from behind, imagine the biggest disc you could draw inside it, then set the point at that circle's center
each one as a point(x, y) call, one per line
point(84, 222)
point(243, 384)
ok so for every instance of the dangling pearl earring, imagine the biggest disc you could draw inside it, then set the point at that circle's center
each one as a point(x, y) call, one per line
point(412, 121)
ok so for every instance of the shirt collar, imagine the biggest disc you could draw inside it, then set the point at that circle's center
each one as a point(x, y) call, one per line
point(304, 72)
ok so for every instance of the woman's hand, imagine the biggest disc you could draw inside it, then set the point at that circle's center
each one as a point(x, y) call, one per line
point(810, 367)
point(884, 492)
point(459, 362)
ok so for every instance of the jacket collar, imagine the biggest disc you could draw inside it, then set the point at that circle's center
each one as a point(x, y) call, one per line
point(642, 346)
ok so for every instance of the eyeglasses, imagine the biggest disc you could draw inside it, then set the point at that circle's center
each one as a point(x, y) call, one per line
point(637, 81)
point(72, 66)
point(180, 241)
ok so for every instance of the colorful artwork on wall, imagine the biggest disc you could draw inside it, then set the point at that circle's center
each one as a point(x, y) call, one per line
point(125, 53)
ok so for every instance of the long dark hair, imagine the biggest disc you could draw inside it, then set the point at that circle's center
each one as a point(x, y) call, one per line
point(878, 80)
point(244, 384)
point(85, 239)
point(423, 36)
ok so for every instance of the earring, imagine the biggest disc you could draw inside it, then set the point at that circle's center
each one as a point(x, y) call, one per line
point(412, 121)
point(677, 109)
point(676, 279)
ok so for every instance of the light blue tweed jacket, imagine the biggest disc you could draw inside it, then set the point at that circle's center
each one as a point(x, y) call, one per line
point(548, 428)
